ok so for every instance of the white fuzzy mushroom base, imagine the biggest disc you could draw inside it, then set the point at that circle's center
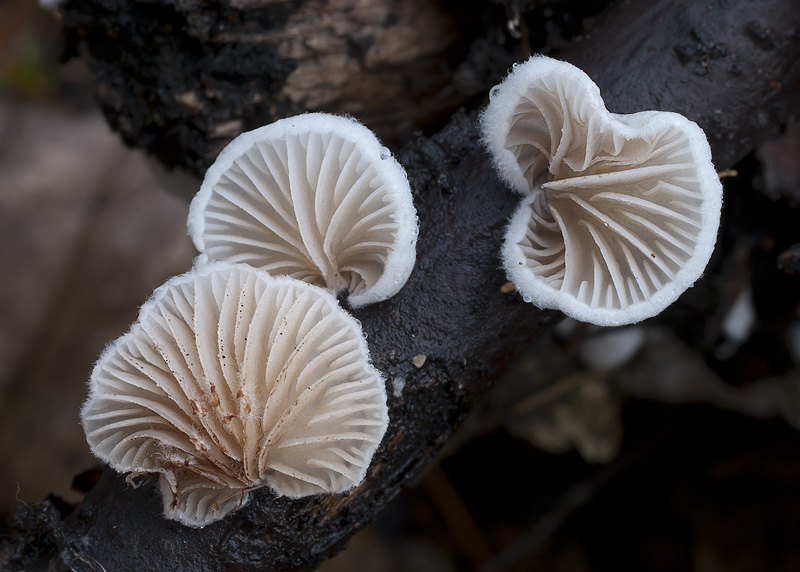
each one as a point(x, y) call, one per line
point(231, 380)
point(620, 213)
point(315, 197)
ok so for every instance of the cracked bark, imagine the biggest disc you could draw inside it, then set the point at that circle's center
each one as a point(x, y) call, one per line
point(183, 77)
point(730, 65)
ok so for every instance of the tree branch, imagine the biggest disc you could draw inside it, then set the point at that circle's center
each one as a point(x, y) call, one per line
point(733, 68)
point(183, 77)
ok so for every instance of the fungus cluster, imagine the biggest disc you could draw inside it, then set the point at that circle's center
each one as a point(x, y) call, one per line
point(620, 212)
point(236, 377)
point(246, 372)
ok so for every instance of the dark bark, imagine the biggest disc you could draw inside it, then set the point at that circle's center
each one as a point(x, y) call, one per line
point(730, 66)
point(183, 77)
point(737, 56)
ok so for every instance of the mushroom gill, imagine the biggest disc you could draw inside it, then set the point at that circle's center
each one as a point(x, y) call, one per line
point(315, 197)
point(232, 380)
point(620, 212)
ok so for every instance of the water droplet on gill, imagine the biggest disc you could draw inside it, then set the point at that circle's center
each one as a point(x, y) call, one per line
point(527, 299)
point(385, 153)
point(493, 92)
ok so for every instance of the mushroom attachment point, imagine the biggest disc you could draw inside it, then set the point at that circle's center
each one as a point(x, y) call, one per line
point(620, 212)
point(315, 197)
point(231, 380)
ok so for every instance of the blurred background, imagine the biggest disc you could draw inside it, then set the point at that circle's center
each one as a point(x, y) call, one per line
point(668, 446)
point(86, 233)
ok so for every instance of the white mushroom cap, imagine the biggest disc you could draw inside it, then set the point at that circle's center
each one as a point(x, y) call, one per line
point(230, 380)
point(620, 213)
point(315, 197)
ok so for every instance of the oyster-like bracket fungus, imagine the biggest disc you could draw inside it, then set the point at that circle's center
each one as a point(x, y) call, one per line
point(315, 197)
point(620, 212)
point(232, 379)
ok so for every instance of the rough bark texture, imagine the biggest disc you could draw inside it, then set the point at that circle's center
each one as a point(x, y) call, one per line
point(183, 77)
point(731, 65)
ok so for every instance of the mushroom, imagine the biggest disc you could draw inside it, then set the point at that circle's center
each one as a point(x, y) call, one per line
point(620, 212)
point(315, 197)
point(230, 380)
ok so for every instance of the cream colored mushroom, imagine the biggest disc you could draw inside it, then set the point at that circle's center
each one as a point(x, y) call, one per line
point(315, 197)
point(620, 212)
point(231, 380)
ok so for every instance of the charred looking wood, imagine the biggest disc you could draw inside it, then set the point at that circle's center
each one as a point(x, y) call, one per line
point(703, 61)
point(452, 310)
point(183, 77)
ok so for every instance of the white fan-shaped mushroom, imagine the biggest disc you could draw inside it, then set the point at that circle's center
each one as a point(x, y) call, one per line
point(620, 213)
point(230, 380)
point(315, 197)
